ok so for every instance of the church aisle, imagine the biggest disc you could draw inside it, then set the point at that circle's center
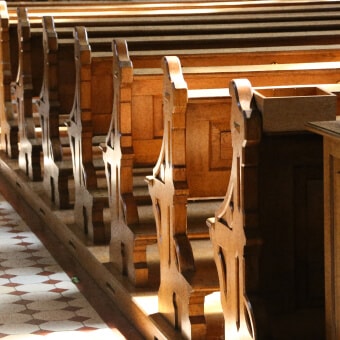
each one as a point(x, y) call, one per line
point(38, 299)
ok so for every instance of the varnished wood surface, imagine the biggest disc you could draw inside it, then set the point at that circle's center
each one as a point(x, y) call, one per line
point(272, 218)
point(180, 241)
point(329, 130)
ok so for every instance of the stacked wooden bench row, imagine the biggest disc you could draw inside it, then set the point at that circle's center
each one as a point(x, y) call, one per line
point(298, 12)
point(134, 144)
point(29, 168)
point(138, 41)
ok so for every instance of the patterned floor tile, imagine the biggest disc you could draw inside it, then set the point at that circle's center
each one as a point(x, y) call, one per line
point(37, 299)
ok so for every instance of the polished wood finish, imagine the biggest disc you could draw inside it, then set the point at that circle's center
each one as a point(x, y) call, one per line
point(187, 174)
point(87, 128)
point(243, 24)
point(53, 183)
point(279, 276)
point(55, 104)
point(329, 130)
point(25, 93)
point(132, 143)
point(269, 229)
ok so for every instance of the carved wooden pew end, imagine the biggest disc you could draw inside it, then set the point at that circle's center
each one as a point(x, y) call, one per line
point(30, 147)
point(187, 182)
point(272, 213)
point(87, 125)
point(54, 106)
point(131, 150)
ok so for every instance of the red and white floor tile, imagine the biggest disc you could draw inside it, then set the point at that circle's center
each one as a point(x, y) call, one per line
point(37, 299)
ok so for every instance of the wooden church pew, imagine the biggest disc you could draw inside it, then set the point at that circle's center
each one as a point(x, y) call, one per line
point(54, 165)
point(89, 223)
point(54, 105)
point(25, 157)
point(267, 234)
point(8, 122)
point(28, 138)
point(169, 189)
point(29, 87)
point(135, 132)
point(11, 66)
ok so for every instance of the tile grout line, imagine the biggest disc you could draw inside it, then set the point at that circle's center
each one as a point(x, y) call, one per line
point(16, 288)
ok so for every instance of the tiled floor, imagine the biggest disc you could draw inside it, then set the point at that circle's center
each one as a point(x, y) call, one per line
point(37, 298)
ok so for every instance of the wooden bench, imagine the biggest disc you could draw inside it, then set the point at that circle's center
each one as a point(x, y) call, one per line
point(31, 72)
point(52, 185)
point(10, 63)
point(136, 129)
point(125, 199)
point(83, 214)
point(58, 56)
point(186, 184)
point(10, 66)
point(267, 235)
point(9, 129)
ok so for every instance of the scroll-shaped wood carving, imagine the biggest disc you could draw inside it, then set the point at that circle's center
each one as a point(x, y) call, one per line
point(184, 187)
point(30, 142)
point(85, 127)
point(236, 255)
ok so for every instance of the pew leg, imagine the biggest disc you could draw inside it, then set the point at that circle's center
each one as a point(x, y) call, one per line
point(197, 320)
point(61, 194)
point(129, 254)
point(9, 141)
point(56, 184)
point(89, 216)
point(183, 306)
point(29, 160)
point(99, 233)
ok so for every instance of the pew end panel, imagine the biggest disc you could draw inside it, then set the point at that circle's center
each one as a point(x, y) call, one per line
point(55, 104)
point(191, 170)
point(87, 126)
point(9, 124)
point(270, 218)
point(30, 149)
point(237, 257)
point(132, 147)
